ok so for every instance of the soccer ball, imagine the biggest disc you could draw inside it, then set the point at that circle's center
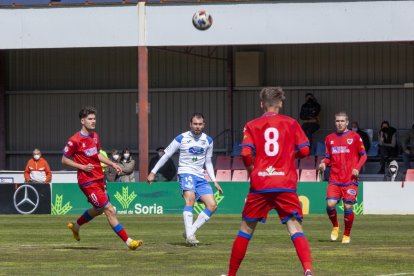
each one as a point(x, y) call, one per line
point(202, 20)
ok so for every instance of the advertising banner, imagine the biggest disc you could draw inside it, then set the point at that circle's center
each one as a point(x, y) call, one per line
point(165, 198)
point(25, 198)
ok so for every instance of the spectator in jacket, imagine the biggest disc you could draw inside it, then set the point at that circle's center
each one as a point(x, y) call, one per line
point(128, 166)
point(387, 144)
point(309, 114)
point(166, 172)
point(110, 173)
point(363, 134)
point(392, 173)
point(408, 148)
point(37, 169)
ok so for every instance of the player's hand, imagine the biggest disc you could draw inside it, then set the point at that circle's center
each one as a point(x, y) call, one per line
point(218, 187)
point(150, 178)
point(355, 172)
point(117, 168)
point(322, 166)
point(88, 168)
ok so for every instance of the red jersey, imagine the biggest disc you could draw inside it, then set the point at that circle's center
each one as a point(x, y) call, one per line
point(84, 150)
point(343, 151)
point(275, 138)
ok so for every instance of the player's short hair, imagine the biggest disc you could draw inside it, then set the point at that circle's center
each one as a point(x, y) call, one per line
point(197, 115)
point(271, 96)
point(86, 111)
point(342, 113)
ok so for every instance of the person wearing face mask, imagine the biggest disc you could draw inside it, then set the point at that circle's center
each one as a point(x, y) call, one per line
point(166, 172)
point(111, 175)
point(387, 142)
point(363, 134)
point(392, 174)
point(128, 167)
point(37, 169)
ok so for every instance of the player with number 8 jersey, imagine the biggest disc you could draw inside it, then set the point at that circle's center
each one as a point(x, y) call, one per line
point(277, 140)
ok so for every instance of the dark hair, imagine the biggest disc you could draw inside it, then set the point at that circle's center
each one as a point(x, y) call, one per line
point(86, 111)
point(270, 96)
point(385, 122)
point(197, 115)
point(126, 150)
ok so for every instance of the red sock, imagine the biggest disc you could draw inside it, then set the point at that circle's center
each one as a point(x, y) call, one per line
point(120, 231)
point(349, 220)
point(333, 216)
point(238, 252)
point(303, 250)
point(84, 218)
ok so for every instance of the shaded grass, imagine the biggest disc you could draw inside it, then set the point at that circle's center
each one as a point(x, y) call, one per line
point(42, 245)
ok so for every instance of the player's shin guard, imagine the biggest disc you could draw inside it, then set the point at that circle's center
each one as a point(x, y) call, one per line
point(238, 252)
point(120, 231)
point(349, 220)
point(333, 216)
point(188, 220)
point(85, 218)
point(303, 250)
point(202, 218)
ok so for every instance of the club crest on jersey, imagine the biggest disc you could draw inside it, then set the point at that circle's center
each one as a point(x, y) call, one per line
point(66, 149)
point(349, 141)
point(91, 151)
point(351, 192)
point(270, 171)
point(196, 150)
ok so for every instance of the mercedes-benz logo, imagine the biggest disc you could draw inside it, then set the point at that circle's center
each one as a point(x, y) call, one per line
point(26, 199)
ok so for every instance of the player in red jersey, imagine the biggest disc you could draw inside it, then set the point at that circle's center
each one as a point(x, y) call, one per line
point(277, 140)
point(82, 152)
point(345, 154)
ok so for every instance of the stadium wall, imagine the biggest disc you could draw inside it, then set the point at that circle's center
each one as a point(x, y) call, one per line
point(45, 88)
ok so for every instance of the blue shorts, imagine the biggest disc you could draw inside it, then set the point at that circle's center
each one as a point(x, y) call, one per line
point(198, 185)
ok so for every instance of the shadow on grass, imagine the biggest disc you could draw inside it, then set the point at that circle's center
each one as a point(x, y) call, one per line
point(78, 248)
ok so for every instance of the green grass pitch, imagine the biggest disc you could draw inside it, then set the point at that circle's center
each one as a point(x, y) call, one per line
point(42, 245)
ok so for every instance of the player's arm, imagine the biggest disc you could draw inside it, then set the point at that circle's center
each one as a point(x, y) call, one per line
point(247, 150)
point(108, 162)
point(210, 169)
point(169, 151)
point(69, 162)
point(362, 156)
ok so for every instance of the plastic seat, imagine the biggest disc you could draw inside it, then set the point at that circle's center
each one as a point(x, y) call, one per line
point(409, 176)
point(237, 163)
point(373, 151)
point(223, 162)
point(308, 175)
point(240, 175)
point(307, 163)
point(223, 175)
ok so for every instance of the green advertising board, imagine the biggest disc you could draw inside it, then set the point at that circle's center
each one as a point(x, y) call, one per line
point(165, 198)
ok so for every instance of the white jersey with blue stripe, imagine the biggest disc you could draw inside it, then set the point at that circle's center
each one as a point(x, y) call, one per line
point(193, 150)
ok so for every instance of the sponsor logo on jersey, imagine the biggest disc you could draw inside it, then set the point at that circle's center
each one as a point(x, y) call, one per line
point(196, 150)
point(270, 171)
point(340, 149)
point(351, 192)
point(349, 141)
point(83, 145)
point(91, 151)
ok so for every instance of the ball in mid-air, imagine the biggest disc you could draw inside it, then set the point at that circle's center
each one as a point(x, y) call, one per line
point(202, 20)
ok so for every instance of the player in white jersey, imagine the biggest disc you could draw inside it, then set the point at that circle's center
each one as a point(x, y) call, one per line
point(196, 149)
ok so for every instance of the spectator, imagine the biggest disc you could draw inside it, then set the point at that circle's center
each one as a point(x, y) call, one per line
point(111, 174)
point(363, 134)
point(392, 174)
point(387, 144)
point(309, 114)
point(128, 167)
point(408, 148)
point(103, 165)
point(37, 169)
point(166, 172)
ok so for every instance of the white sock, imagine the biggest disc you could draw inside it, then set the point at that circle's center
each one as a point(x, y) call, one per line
point(202, 218)
point(128, 241)
point(188, 219)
